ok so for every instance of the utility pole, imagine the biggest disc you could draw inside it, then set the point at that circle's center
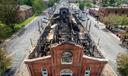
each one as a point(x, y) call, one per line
point(87, 19)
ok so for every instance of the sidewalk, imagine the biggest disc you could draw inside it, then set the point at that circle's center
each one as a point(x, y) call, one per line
point(23, 71)
point(107, 71)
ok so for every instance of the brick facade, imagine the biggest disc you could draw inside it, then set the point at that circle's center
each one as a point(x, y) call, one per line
point(65, 49)
point(105, 11)
point(54, 65)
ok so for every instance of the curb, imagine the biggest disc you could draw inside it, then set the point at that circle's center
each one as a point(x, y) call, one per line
point(98, 47)
point(18, 70)
point(103, 25)
point(112, 70)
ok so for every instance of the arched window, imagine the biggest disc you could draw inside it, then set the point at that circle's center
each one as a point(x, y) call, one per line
point(44, 72)
point(66, 58)
point(87, 71)
point(66, 72)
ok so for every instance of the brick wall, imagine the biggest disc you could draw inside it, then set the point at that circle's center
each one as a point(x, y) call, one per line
point(54, 65)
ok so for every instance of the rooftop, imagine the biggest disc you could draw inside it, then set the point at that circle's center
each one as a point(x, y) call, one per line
point(64, 27)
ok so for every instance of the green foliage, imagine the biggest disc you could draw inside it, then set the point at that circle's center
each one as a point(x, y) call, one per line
point(112, 2)
point(81, 5)
point(122, 63)
point(5, 61)
point(51, 3)
point(119, 2)
point(110, 21)
point(8, 12)
point(22, 24)
point(5, 31)
point(88, 4)
point(26, 2)
point(106, 3)
point(38, 6)
point(115, 20)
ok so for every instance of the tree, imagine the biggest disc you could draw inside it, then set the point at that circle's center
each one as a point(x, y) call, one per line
point(38, 6)
point(112, 2)
point(8, 12)
point(51, 3)
point(110, 21)
point(88, 4)
point(5, 31)
point(119, 2)
point(105, 3)
point(122, 63)
point(81, 5)
point(115, 21)
point(26, 2)
point(5, 61)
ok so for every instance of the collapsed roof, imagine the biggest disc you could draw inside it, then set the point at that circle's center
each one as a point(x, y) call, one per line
point(64, 27)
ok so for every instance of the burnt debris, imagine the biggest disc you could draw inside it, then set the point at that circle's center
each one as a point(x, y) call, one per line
point(65, 27)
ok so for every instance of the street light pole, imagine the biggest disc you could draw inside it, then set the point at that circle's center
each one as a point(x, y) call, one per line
point(89, 27)
point(87, 19)
point(99, 31)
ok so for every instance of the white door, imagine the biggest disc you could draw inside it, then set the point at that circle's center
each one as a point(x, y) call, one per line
point(66, 72)
point(87, 73)
point(44, 72)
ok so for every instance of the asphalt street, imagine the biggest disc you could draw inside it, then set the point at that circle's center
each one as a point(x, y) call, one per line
point(109, 44)
point(19, 47)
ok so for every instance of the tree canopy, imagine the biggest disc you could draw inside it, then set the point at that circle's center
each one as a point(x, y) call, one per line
point(106, 3)
point(81, 5)
point(122, 63)
point(26, 2)
point(115, 20)
point(8, 12)
point(38, 6)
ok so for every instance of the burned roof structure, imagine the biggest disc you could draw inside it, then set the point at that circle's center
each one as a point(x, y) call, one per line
point(65, 28)
point(65, 49)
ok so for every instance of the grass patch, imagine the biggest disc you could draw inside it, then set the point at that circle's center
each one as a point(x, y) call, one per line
point(24, 23)
point(6, 31)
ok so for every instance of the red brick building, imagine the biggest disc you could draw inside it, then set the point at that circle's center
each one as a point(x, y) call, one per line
point(105, 11)
point(65, 49)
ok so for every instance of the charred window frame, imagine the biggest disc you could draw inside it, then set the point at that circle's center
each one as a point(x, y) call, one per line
point(67, 57)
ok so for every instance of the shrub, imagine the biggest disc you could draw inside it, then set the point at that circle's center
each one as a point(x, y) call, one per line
point(5, 31)
point(122, 63)
point(5, 61)
point(38, 6)
point(81, 5)
point(22, 24)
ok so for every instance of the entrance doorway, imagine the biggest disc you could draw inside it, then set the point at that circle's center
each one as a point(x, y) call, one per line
point(66, 72)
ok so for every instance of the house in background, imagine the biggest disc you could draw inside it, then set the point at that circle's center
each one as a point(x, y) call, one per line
point(105, 11)
point(24, 12)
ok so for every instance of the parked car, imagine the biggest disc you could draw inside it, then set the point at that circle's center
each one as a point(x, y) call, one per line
point(118, 32)
point(46, 17)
